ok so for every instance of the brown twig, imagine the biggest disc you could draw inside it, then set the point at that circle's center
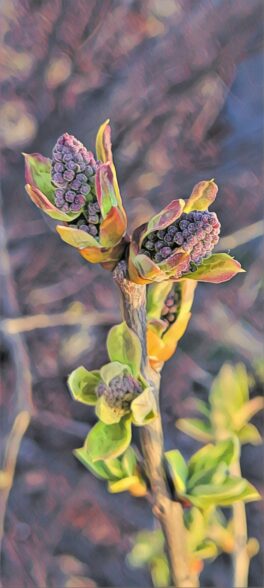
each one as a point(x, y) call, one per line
point(168, 512)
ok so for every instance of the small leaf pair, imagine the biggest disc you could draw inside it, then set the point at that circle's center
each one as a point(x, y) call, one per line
point(119, 394)
point(205, 480)
point(122, 474)
point(85, 197)
point(168, 315)
point(177, 243)
point(229, 411)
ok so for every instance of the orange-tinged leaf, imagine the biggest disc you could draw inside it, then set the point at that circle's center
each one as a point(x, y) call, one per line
point(108, 257)
point(103, 143)
point(165, 217)
point(154, 344)
point(148, 270)
point(46, 206)
point(77, 237)
point(104, 154)
point(113, 227)
point(202, 196)
point(105, 188)
point(176, 262)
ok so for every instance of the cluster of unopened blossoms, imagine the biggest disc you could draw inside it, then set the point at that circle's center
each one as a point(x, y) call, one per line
point(170, 253)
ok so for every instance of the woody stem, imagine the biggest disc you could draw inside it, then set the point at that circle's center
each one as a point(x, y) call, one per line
point(168, 512)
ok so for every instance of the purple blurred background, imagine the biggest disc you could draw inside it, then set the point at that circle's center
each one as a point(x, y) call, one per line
point(182, 83)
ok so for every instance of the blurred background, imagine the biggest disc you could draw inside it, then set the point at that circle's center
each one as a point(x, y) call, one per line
point(182, 82)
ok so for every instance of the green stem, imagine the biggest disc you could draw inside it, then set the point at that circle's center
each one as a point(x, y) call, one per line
point(167, 511)
point(240, 554)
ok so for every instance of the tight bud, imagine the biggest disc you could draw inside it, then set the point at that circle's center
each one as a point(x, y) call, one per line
point(73, 169)
point(120, 391)
point(195, 233)
point(172, 305)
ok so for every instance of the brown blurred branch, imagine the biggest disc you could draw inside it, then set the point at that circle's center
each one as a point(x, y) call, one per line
point(14, 344)
point(69, 317)
point(168, 512)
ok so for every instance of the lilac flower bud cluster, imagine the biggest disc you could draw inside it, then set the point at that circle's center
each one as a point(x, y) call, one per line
point(120, 391)
point(172, 305)
point(195, 232)
point(73, 170)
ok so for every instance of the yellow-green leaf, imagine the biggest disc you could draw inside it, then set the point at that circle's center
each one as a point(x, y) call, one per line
point(144, 407)
point(107, 441)
point(82, 385)
point(123, 345)
point(106, 413)
point(178, 469)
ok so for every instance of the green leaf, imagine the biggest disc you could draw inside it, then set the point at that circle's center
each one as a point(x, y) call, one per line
point(196, 428)
point(205, 476)
point(111, 370)
point(82, 385)
point(195, 524)
point(248, 410)
point(202, 196)
point(203, 408)
point(207, 550)
point(211, 455)
point(178, 469)
point(144, 407)
point(249, 434)
point(38, 173)
point(98, 468)
point(156, 295)
point(148, 544)
point(218, 268)
point(122, 485)
point(105, 189)
point(106, 414)
point(160, 572)
point(123, 345)
point(107, 441)
point(114, 467)
point(231, 491)
point(226, 393)
point(129, 461)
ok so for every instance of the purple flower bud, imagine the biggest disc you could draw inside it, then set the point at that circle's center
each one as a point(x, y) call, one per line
point(168, 238)
point(81, 177)
point(93, 219)
point(79, 199)
point(74, 175)
point(120, 391)
point(70, 196)
point(67, 157)
point(92, 230)
point(150, 245)
point(59, 167)
point(183, 224)
point(58, 179)
point(85, 189)
point(68, 175)
point(71, 165)
point(178, 239)
point(159, 245)
point(76, 184)
point(89, 170)
point(75, 207)
point(165, 252)
point(93, 208)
